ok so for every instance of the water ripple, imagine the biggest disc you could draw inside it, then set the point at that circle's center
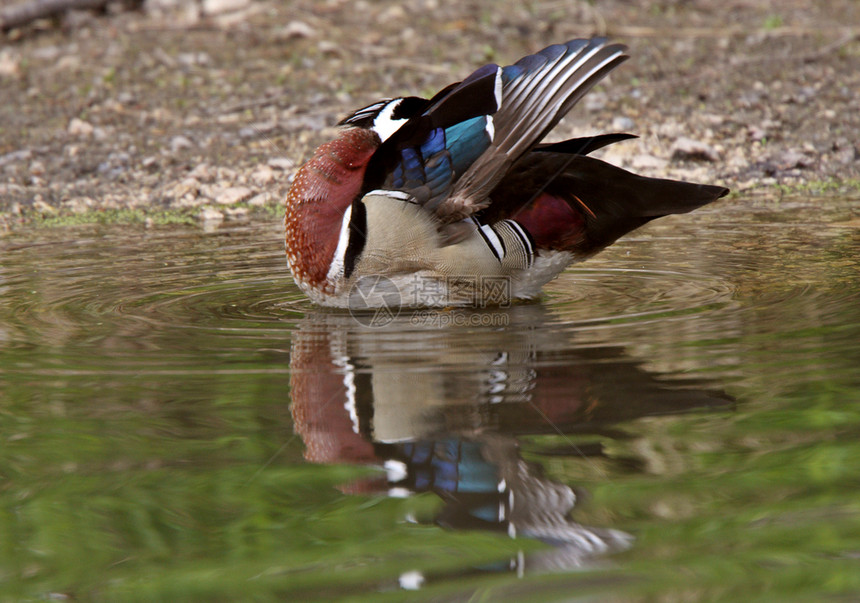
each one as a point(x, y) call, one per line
point(624, 295)
point(130, 285)
point(80, 287)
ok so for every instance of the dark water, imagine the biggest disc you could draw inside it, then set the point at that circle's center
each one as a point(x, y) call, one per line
point(678, 420)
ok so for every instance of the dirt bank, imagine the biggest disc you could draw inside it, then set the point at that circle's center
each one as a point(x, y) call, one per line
point(200, 109)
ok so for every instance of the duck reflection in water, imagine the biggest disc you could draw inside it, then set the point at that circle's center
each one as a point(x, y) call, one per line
point(442, 410)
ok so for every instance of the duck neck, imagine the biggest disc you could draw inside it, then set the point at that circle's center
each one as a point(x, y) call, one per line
point(321, 192)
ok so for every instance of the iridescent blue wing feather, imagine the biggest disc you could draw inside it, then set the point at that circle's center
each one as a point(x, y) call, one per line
point(429, 170)
point(452, 155)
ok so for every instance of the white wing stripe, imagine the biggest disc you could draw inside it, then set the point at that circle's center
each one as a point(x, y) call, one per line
point(493, 241)
point(384, 124)
point(524, 237)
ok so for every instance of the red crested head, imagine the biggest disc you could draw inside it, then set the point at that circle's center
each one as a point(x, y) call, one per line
point(322, 190)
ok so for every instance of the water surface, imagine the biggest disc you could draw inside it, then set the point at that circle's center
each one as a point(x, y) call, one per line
point(677, 419)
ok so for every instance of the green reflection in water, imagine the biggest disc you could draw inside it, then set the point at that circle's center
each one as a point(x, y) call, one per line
point(181, 499)
point(148, 449)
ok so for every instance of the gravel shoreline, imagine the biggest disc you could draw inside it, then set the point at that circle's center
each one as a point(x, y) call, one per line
point(203, 110)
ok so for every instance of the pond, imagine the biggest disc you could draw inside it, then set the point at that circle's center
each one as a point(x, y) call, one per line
point(677, 419)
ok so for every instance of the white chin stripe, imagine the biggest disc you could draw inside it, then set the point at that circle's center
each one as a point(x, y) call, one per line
point(335, 271)
point(384, 125)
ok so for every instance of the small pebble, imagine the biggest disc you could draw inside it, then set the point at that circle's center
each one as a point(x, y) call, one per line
point(622, 124)
point(202, 172)
point(596, 101)
point(79, 205)
point(15, 156)
point(216, 7)
point(263, 175)
point(236, 214)
point(37, 168)
point(295, 29)
point(79, 127)
point(281, 163)
point(177, 143)
point(261, 199)
point(232, 195)
point(689, 149)
point(792, 159)
point(644, 161)
point(210, 215)
point(10, 63)
point(40, 206)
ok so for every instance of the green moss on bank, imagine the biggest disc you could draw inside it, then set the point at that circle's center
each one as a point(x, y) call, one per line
point(147, 216)
point(828, 186)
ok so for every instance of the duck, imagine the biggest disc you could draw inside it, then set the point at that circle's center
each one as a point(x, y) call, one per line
point(455, 200)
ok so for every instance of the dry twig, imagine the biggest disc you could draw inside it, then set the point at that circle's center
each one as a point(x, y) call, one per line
point(24, 13)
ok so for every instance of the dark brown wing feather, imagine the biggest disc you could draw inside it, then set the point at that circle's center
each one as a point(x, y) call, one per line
point(607, 201)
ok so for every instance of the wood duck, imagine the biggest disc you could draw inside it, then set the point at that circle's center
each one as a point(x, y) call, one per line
point(455, 200)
